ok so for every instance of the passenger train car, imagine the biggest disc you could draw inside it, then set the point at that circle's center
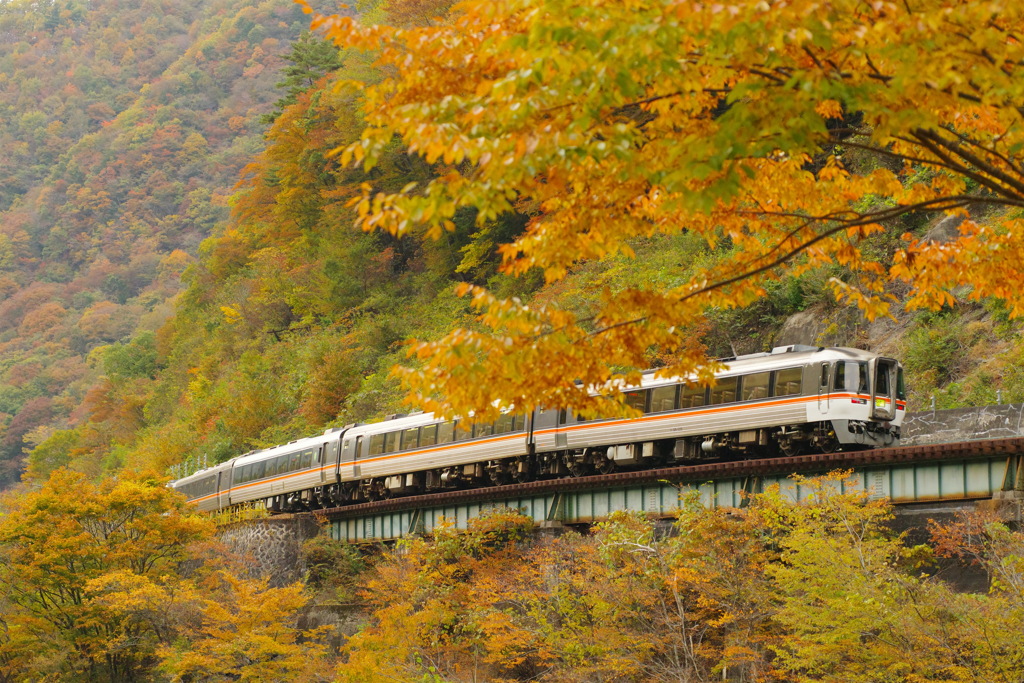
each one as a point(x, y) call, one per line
point(793, 400)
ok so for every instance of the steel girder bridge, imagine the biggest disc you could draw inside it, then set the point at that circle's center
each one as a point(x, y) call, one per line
point(946, 474)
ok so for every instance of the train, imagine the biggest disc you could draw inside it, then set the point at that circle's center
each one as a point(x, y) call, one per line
point(792, 400)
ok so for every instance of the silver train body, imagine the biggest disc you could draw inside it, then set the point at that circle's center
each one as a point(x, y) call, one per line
point(793, 400)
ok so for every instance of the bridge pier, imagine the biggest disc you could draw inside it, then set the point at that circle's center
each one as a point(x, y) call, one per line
point(270, 546)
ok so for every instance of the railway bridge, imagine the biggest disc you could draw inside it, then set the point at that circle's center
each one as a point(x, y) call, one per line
point(949, 460)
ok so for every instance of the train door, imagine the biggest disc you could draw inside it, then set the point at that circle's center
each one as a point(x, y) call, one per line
point(356, 452)
point(347, 467)
point(328, 458)
point(823, 387)
point(543, 423)
point(222, 484)
point(229, 483)
point(883, 399)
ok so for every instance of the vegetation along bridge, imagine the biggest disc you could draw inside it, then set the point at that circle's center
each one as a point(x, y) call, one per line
point(927, 475)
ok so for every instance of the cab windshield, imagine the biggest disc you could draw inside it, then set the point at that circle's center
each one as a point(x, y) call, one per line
point(852, 377)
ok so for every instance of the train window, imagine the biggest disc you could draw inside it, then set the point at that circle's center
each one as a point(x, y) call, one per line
point(446, 432)
point(279, 464)
point(882, 380)
point(664, 398)
point(901, 388)
point(240, 473)
point(755, 386)
point(637, 400)
point(411, 438)
point(428, 435)
point(376, 444)
point(724, 391)
point(391, 442)
point(483, 429)
point(788, 382)
point(503, 425)
point(851, 376)
point(825, 371)
point(564, 416)
point(307, 458)
point(463, 431)
point(691, 396)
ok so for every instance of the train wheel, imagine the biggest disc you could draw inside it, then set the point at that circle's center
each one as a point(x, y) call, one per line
point(498, 473)
point(523, 469)
point(829, 444)
point(605, 466)
point(790, 447)
point(577, 469)
point(826, 440)
point(374, 490)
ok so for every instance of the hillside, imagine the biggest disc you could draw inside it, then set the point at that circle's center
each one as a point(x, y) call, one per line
point(123, 129)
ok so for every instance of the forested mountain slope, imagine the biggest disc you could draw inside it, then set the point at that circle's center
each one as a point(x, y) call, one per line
point(123, 129)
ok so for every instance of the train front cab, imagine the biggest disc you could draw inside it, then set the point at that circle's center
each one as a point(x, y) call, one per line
point(866, 402)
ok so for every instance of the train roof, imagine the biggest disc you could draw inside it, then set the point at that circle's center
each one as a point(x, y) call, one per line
point(290, 447)
point(789, 356)
point(201, 474)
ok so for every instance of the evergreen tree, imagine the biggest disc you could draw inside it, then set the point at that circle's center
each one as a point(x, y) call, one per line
point(311, 59)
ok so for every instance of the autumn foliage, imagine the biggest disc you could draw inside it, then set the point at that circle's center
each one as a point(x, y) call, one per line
point(776, 591)
point(107, 582)
point(741, 123)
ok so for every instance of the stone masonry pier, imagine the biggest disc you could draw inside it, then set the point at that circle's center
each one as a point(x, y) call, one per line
point(271, 546)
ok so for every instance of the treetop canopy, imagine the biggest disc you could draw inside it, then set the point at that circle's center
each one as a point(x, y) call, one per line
point(734, 121)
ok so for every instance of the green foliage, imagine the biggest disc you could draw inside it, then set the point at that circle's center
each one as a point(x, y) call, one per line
point(134, 359)
point(333, 569)
point(934, 350)
point(311, 59)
